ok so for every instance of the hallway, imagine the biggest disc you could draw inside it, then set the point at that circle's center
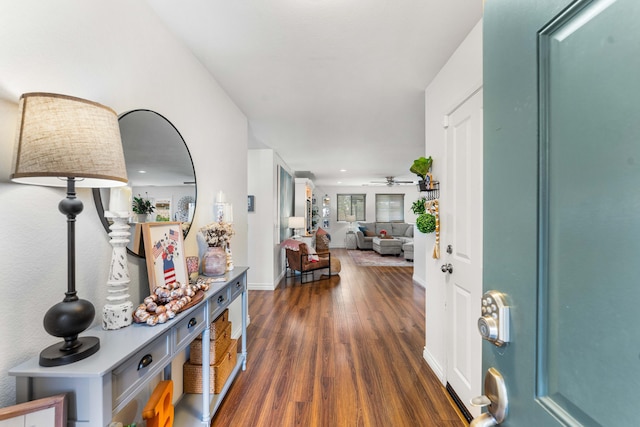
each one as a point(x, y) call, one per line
point(340, 352)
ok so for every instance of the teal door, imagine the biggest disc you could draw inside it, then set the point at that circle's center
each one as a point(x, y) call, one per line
point(562, 207)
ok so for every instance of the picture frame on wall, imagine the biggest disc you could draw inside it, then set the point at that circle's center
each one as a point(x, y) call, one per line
point(164, 253)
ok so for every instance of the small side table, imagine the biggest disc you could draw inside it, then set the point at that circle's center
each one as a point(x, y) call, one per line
point(350, 240)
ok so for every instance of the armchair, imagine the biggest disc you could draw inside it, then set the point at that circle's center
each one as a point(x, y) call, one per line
point(299, 261)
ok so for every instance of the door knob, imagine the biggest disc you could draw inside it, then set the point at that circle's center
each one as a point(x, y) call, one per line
point(447, 268)
point(495, 399)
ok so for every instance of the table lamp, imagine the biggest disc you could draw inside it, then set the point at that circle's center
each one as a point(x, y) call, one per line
point(66, 141)
point(351, 219)
point(296, 222)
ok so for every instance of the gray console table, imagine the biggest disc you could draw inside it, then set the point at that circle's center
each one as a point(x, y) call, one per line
point(129, 358)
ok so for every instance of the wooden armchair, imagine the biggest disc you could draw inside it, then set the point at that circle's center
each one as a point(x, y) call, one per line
point(299, 261)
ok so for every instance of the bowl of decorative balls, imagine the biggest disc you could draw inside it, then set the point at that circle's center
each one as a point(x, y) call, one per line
point(168, 300)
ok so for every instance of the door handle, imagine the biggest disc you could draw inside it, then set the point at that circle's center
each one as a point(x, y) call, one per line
point(494, 399)
point(447, 268)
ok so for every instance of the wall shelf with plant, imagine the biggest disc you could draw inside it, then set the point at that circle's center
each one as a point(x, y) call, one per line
point(426, 222)
point(422, 168)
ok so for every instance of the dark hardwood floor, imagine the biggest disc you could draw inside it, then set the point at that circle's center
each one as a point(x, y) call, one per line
point(343, 351)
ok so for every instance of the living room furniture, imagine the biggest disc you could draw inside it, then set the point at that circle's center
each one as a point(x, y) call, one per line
point(298, 261)
point(310, 240)
point(102, 385)
point(350, 240)
point(407, 251)
point(399, 230)
point(387, 246)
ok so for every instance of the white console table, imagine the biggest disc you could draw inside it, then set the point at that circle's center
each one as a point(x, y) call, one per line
point(129, 358)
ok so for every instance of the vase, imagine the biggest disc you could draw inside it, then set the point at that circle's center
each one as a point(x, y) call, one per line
point(214, 261)
point(142, 218)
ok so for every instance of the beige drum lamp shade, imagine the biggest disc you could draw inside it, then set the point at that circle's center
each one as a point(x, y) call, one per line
point(61, 136)
point(296, 222)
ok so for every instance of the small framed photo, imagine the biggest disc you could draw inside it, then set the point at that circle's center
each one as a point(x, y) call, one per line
point(48, 411)
point(164, 253)
point(251, 203)
point(163, 210)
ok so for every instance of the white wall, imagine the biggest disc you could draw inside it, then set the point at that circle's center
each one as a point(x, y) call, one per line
point(265, 254)
point(119, 54)
point(456, 81)
point(262, 232)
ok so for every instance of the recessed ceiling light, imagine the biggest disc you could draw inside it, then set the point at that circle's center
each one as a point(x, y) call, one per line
point(343, 170)
point(142, 171)
point(339, 182)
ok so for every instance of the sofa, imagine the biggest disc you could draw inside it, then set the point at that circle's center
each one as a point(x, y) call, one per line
point(368, 230)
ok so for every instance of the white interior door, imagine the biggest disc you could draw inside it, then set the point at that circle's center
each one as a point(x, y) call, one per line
point(462, 208)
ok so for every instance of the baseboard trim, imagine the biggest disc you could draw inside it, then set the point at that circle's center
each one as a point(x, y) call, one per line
point(260, 286)
point(434, 365)
point(419, 281)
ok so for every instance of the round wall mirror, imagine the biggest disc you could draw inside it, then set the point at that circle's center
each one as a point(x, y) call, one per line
point(159, 168)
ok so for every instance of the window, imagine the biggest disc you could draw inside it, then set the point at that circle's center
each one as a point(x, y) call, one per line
point(389, 207)
point(351, 204)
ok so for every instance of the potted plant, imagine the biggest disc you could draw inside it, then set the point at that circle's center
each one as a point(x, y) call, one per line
point(426, 223)
point(419, 206)
point(142, 207)
point(421, 167)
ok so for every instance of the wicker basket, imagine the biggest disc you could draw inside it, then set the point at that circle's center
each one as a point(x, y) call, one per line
point(218, 326)
point(216, 348)
point(192, 378)
point(223, 369)
point(218, 374)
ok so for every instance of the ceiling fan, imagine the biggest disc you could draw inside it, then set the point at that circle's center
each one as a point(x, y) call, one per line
point(391, 181)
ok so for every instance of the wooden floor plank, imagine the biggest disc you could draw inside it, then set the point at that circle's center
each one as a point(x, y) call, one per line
point(342, 351)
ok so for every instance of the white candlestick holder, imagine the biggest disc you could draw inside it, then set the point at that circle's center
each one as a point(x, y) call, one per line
point(117, 312)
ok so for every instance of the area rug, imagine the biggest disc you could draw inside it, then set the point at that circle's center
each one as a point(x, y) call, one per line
point(374, 259)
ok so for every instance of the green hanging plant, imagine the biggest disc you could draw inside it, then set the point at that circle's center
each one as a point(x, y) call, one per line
point(421, 167)
point(418, 207)
point(426, 223)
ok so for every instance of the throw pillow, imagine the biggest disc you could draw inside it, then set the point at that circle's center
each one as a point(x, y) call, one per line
point(322, 243)
point(312, 255)
point(362, 229)
point(323, 232)
point(409, 232)
point(369, 233)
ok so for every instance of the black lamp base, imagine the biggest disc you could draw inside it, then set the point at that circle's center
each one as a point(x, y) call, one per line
point(55, 356)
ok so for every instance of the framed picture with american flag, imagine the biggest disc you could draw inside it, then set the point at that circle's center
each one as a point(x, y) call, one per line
point(164, 252)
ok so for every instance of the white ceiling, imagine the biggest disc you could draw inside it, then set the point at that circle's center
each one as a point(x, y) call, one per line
point(328, 84)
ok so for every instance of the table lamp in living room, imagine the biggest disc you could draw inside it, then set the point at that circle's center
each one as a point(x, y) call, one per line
point(351, 219)
point(297, 223)
point(63, 141)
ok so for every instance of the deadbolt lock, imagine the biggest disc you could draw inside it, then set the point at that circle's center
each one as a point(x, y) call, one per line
point(493, 325)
